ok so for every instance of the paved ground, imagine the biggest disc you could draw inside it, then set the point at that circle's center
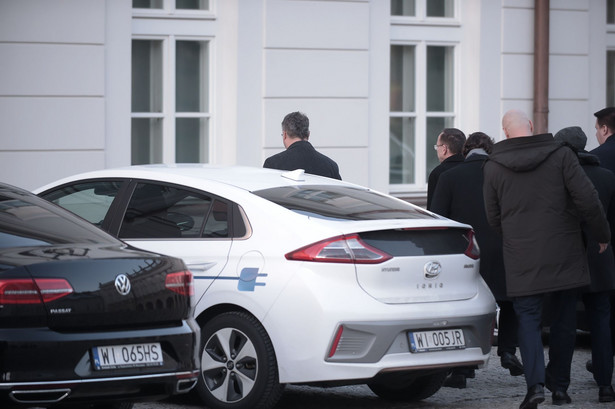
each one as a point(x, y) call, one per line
point(493, 388)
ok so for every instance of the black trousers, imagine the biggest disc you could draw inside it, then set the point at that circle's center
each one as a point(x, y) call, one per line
point(561, 339)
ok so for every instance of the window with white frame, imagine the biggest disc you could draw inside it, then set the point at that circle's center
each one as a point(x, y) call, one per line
point(422, 89)
point(610, 54)
point(170, 82)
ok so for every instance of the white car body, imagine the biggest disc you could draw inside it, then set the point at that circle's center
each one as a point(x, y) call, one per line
point(302, 304)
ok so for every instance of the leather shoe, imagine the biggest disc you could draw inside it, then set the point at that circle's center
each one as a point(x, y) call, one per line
point(606, 394)
point(589, 366)
point(535, 395)
point(561, 397)
point(509, 361)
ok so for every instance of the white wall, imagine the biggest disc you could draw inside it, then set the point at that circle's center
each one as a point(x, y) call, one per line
point(316, 60)
point(65, 84)
point(52, 89)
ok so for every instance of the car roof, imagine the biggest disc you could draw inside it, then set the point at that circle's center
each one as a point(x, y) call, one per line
point(244, 177)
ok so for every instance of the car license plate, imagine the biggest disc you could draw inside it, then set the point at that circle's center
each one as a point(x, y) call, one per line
point(427, 341)
point(127, 356)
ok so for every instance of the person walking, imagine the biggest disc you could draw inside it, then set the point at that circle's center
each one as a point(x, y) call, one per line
point(536, 195)
point(605, 127)
point(459, 196)
point(448, 148)
point(596, 297)
point(299, 153)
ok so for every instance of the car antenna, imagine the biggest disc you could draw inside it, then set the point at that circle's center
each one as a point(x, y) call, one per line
point(296, 175)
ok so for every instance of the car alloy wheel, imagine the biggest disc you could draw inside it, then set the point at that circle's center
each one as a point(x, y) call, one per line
point(238, 365)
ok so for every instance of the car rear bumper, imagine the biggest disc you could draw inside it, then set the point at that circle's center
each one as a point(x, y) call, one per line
point(40, 365)
point(375, 335)
point(127, 388)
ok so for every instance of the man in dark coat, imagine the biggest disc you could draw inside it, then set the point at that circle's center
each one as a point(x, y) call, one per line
point(448, 148)
point(605, 127)
point(536, 194)
point(601, 266)
point(459, 196)
point(299, 153)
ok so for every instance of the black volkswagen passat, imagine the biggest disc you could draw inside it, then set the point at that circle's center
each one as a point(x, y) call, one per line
point(84, 318)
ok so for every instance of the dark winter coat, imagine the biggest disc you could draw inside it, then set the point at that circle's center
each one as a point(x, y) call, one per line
point(459, 196)
point(536, 195)
point(606, 153)
point(601, 266)
point(302, 155)
point(432, 181)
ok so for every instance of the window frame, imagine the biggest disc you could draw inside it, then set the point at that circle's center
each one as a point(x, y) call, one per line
point(169, 11)
point(169, 26)
point(421, 32)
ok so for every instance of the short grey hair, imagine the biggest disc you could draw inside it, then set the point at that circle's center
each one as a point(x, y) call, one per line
point(296, 125)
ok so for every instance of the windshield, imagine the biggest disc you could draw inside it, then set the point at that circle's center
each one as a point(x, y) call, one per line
point(342, 202)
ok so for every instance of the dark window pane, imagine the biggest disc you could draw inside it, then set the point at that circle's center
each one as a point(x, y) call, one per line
point(403, 7)
point(440, 8)
point(159, 211)
point(217, 220)
point(147, 4)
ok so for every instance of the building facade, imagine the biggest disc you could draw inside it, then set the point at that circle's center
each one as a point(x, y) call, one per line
point(90, 84)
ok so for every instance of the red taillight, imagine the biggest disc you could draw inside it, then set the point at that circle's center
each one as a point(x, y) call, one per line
point(472, 251)
point(37, 291)
point(341, 249)
point(180, 282)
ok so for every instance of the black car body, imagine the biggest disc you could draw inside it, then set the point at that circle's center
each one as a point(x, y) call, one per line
point(84, 318)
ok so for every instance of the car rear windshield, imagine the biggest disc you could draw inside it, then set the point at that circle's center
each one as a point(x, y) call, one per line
point(341, 202)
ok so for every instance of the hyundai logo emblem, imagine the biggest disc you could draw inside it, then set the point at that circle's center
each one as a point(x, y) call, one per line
point(122, 284)
point(432, 269)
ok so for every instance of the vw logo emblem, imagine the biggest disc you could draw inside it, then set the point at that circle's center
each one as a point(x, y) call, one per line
point(122, 284)
point(432, 269)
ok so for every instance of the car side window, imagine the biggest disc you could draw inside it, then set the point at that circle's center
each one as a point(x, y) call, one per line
point(90, 200)
point(217, 220)
point(161, 211)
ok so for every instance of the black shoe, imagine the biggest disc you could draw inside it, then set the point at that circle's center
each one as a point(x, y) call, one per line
point(509, 361)
point(455, 381)
point(534, 396)
point(589, 366)
point(561, 397)
point(606, 394)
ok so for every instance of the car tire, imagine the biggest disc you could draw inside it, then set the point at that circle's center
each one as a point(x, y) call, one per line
point(408, 388)
point(238, 365)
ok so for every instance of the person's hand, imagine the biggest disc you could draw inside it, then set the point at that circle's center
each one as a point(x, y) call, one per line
point(603, 247)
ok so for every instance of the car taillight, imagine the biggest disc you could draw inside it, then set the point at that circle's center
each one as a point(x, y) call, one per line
point(180, 282)
point(472, 251)
point(341, 249)
point(37, 291)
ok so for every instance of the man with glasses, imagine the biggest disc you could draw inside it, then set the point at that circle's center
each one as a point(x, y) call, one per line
point(448, 148)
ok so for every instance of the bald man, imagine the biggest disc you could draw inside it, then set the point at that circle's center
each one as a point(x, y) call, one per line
point(536, 195)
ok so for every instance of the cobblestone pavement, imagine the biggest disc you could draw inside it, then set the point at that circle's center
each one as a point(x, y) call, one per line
point(493, 388)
